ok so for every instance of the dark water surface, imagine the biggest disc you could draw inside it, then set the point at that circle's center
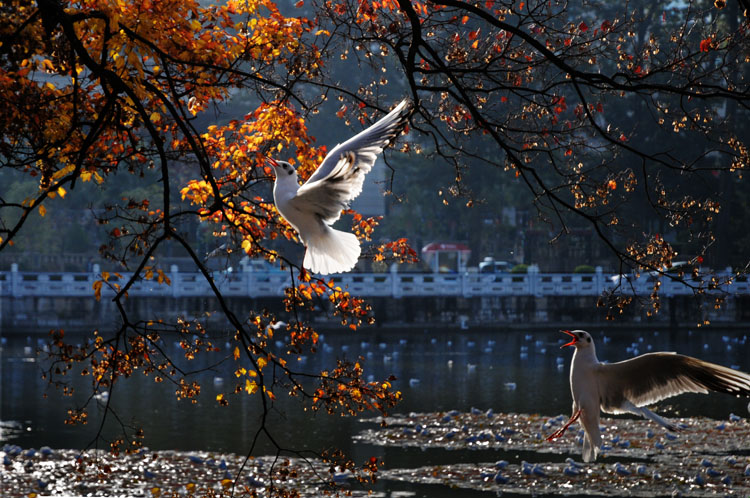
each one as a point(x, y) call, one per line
point(508, 371)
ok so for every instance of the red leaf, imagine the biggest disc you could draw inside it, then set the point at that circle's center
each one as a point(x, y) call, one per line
point(583, 27)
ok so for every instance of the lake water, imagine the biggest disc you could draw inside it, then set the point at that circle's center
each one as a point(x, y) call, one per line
point(521, 371)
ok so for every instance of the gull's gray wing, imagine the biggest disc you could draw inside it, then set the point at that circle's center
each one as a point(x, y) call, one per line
point(652, 377)
point(339, 178)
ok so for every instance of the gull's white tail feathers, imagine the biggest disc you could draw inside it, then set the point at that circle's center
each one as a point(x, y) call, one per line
point(331, 251)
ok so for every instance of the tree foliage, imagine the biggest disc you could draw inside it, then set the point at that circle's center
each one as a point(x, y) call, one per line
point(594, 107)
point(598, 109)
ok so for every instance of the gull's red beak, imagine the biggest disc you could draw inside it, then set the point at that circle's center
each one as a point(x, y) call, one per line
point(272, 162)
point(571, 334)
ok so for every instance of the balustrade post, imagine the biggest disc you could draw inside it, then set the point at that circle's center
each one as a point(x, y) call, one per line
point(465, 288)
point(395, 282)
point(532, 274)
point(174, 272)
point(15, 280)
point(248, 278)
point(599, 277)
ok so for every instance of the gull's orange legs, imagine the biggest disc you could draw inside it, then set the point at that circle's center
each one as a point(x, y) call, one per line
point(559, 432)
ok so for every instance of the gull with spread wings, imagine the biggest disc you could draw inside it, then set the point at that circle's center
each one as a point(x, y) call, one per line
point(628, 386)
point(311, 208)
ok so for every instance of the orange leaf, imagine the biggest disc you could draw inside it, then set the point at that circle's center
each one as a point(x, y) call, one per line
point(97, 289)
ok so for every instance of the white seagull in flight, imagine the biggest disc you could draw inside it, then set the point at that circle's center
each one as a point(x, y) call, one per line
point(627, 386)
point(311, 208)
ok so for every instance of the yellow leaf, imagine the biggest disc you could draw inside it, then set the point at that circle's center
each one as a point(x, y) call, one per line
point(42, 210)
point(62, 172)
point(105, 275)
point(61, 192)
point(97, 289)
point(49, 85)
point(322, 32)
point(155, 117)
point(262, 363)
point(251, 387)
point(236, 353)
point(219, 397)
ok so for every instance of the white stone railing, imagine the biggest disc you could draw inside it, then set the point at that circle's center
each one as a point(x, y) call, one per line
point(15, 283)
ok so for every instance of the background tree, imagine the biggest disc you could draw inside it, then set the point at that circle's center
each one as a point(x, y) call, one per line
point(92, 91)
point(631, 120)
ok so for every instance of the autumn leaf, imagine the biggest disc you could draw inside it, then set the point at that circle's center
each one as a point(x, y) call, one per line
point(97, 286)
point(42, 210)
point(236, 353)
point(706, 44)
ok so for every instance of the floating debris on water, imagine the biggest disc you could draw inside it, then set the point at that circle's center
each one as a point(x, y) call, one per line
point(704, 461)
point(99, 473)
point(641, 460)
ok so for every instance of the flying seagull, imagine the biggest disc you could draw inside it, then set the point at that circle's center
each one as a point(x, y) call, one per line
point(627, 386)
point(311, 208)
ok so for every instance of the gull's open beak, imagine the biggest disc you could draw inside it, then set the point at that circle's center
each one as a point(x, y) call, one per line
point(272, 162)
point(571, 343)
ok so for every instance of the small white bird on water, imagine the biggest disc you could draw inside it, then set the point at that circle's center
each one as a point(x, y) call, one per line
point(627, 386)
point(311, 208)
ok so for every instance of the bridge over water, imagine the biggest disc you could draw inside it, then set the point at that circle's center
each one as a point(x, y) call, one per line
point(255, 284)
point(34, 300)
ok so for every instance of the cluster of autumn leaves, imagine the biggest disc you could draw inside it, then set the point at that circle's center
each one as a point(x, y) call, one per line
point(94, 88)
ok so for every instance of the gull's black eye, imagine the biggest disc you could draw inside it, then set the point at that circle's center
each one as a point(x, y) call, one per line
point(291, 171)
point(588, 339)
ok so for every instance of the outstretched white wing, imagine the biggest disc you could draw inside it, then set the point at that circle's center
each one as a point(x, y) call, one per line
point(338, 179)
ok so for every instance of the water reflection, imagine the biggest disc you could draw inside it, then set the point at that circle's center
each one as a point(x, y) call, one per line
point(507, 371)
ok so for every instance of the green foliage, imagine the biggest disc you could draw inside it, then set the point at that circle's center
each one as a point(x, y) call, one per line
point(584, 269)
point(521, 268)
